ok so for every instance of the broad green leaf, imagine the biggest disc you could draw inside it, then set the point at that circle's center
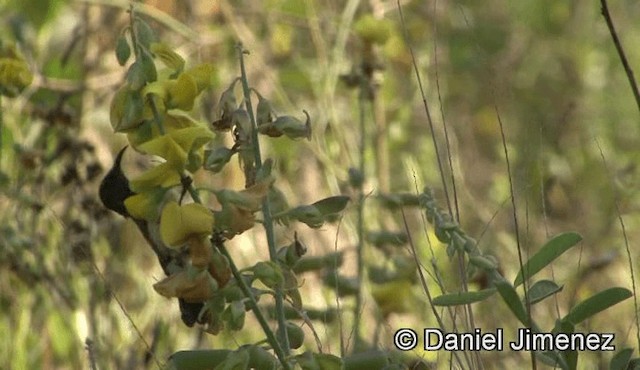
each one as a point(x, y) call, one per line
point(148, 67)
point(510, 297)
point(621, 360)
point(549, 252)
point(542, 289)
point(239, 359)
point(144, 33)
point(136, 76)
point(195, 360)
point(456, 299)
point(123, 51)
point(597, 303)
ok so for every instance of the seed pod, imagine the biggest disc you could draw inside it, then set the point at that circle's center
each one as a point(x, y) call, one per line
point(226, 107)
point(295, 334)
point(263, 111)
point(217, 158)
point(292, 127)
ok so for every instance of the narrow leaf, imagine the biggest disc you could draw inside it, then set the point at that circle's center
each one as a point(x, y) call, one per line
point(621, 360)
point(542, 289)
point(596, 303)
point(549, 252)
point(331, 205)
point(456, 299)
point(510, 297)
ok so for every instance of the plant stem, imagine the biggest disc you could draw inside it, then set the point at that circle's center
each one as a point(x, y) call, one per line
point(621, 53)
point(266, 209)
point(360, 247)
point(1, 131)
point(271, 338)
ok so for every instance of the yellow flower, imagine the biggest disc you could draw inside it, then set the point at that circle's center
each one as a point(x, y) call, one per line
point(163, 175)
point(179, 223)
point(145, 205)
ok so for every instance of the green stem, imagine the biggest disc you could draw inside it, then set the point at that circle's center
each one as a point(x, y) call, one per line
point(271, 338)
point(1, 131)
point(266, 209)
point(360, 247)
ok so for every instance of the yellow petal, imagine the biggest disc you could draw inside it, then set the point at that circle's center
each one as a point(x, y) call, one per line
point(182, 92)
point(203, 75)
point(192, 138)
point(166, 147)
point(179, 223)
point(169, 57)
point(163, 175)
point(145, 206)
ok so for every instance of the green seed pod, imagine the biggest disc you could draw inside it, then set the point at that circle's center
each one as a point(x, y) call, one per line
point(217, 158)
point(234, 315)
point(484, 262)
point(470, 245)
point(264, 111)
point(295, 334)
point(292, 127)
point(268, 273)
point(260, 358)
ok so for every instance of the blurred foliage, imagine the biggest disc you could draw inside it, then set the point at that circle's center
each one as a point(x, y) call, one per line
point(76, 281)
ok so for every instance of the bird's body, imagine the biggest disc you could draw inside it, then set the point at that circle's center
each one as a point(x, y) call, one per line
point(114, 190)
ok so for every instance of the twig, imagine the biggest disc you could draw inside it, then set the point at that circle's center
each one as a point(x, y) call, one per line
point(621, 54)
point(516, 227)
point(627, 249)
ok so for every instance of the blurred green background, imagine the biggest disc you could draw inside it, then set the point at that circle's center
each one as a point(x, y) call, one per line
point(71, 271)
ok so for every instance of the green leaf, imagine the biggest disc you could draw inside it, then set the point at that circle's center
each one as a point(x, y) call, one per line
point(510, 297)
point(551, 358)
point(269, 273)
point(148, 67)
point(542, 289)
point(596, 303)
point(123, 51)
point(374, 359)
point(549, 252)
point(456, 299)
point(197, 360)
point(136, 76)
point(144, 33)
point(237, 360)
point(332, 205)
point(621, 360)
